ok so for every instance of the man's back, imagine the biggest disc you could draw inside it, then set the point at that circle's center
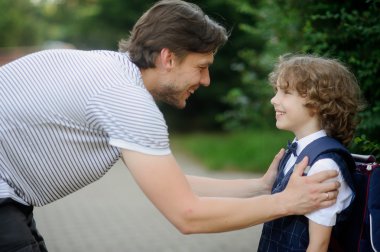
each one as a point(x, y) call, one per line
point(51, 141)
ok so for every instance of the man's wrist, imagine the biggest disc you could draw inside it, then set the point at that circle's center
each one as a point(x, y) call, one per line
point(283, 204)
point(259, 187)
point(267, 188)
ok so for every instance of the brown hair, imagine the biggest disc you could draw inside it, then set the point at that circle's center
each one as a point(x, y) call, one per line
point(180, 26)
point(330, 88)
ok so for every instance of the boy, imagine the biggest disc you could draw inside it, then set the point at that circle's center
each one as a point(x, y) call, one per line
point(315, 97)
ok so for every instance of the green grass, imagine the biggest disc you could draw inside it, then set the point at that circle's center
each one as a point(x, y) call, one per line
point(250, 151)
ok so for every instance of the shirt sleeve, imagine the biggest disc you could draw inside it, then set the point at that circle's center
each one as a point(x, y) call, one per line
point(130, 118)
point(327, 216)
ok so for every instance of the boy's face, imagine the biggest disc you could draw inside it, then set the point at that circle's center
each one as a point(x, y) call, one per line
point(291, 114)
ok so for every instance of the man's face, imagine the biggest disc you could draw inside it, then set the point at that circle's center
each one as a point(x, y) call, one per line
point(185, 77)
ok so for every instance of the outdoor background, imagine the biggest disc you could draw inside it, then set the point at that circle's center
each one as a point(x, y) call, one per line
point(229, 125)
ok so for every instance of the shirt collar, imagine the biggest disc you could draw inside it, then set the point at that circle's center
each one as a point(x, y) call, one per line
point(303, 142)
point(134, 71)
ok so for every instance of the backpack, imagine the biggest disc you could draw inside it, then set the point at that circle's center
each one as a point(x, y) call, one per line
point(358, 226)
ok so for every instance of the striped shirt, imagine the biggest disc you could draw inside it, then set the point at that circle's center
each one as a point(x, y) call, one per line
point(64, 115)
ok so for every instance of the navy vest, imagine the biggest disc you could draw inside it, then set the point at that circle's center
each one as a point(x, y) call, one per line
point(291, 233)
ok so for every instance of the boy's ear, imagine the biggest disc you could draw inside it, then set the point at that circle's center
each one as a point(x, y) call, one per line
point(314, 111)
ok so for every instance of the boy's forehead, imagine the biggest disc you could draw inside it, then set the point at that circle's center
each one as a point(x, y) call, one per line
point(284, 84)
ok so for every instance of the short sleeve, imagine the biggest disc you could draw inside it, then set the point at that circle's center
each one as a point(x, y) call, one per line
point(130, 118)
point(327, 216)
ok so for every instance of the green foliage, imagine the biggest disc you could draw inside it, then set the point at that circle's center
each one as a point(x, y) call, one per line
point(366, 146)
point(261, 30)
point(251, 151)
point(276, 31)
point(20, 23)
point(205, 108)
point(350, 31)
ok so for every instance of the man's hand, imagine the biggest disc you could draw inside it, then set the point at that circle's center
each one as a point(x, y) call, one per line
point(270, 176)
point(305, 194)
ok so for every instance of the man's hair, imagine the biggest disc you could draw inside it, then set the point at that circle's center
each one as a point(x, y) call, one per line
point(329, 88)
point(180, 26)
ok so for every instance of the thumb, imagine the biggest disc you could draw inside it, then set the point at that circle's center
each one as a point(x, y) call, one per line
point(299, 169)
point(277, 158)
point(279, 155)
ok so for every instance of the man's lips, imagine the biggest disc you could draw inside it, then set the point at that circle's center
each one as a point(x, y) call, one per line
point(191, 91)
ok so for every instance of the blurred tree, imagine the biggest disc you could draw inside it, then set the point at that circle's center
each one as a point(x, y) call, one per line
point(101, 24)
point(261, 30)
point(350, 31)
point(225, 104)
point(272, 30)
point(21, 23)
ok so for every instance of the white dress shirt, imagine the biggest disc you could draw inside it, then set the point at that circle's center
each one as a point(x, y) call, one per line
point(325, 216)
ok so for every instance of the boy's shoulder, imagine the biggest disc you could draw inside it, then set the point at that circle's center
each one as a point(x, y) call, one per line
point(324, 145)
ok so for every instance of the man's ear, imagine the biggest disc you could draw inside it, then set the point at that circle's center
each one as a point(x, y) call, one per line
point(167, 58)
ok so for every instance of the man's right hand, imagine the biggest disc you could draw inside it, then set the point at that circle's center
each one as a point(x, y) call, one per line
point(305, 194)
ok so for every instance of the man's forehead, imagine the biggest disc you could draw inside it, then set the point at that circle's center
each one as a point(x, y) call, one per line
point(201, 58)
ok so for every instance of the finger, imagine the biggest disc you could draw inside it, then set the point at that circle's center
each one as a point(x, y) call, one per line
point(332, 195)
point(301, 166)
point(277, 158)
point(327, 203)
point(332, 186)
point(279, 155)
point(323, 175)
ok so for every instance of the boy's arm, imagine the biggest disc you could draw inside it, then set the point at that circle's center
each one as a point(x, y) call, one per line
point(319, 237)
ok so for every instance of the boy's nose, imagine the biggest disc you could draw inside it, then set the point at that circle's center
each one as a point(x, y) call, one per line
point(273, 100)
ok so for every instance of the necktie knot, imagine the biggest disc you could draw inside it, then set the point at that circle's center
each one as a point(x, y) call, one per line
point(292, 147)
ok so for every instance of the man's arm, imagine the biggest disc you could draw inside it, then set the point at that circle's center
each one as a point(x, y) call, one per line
point(166, 186)
point(319, 237)
point(242, 188)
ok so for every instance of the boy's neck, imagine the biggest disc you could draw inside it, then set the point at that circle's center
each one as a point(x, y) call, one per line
point(300, 136)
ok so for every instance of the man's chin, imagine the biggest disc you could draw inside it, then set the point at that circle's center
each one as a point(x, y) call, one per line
point(181, 105)
point(175, 104)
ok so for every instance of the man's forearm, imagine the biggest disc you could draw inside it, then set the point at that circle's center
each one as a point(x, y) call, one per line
point(241, 188)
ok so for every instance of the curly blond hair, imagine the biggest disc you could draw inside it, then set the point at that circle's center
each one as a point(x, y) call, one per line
point(330, 89)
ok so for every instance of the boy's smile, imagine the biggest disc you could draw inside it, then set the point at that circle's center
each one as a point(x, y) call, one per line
point(291, 113)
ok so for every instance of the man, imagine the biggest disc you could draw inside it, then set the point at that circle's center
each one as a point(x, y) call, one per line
point(68, 115)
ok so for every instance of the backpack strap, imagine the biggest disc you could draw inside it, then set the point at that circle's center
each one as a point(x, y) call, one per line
point(325, 145)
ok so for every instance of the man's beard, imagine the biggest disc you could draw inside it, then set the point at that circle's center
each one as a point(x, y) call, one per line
point(170, 95)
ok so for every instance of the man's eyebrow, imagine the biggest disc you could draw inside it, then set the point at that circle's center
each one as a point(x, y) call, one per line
point(205, 64)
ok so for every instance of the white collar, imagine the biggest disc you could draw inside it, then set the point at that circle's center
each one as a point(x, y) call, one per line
point(303, 142)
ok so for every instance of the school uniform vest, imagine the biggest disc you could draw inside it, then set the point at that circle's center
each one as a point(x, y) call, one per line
point(291, 233)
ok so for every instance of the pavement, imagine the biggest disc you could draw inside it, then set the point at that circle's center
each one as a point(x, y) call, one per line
point(113, 215)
